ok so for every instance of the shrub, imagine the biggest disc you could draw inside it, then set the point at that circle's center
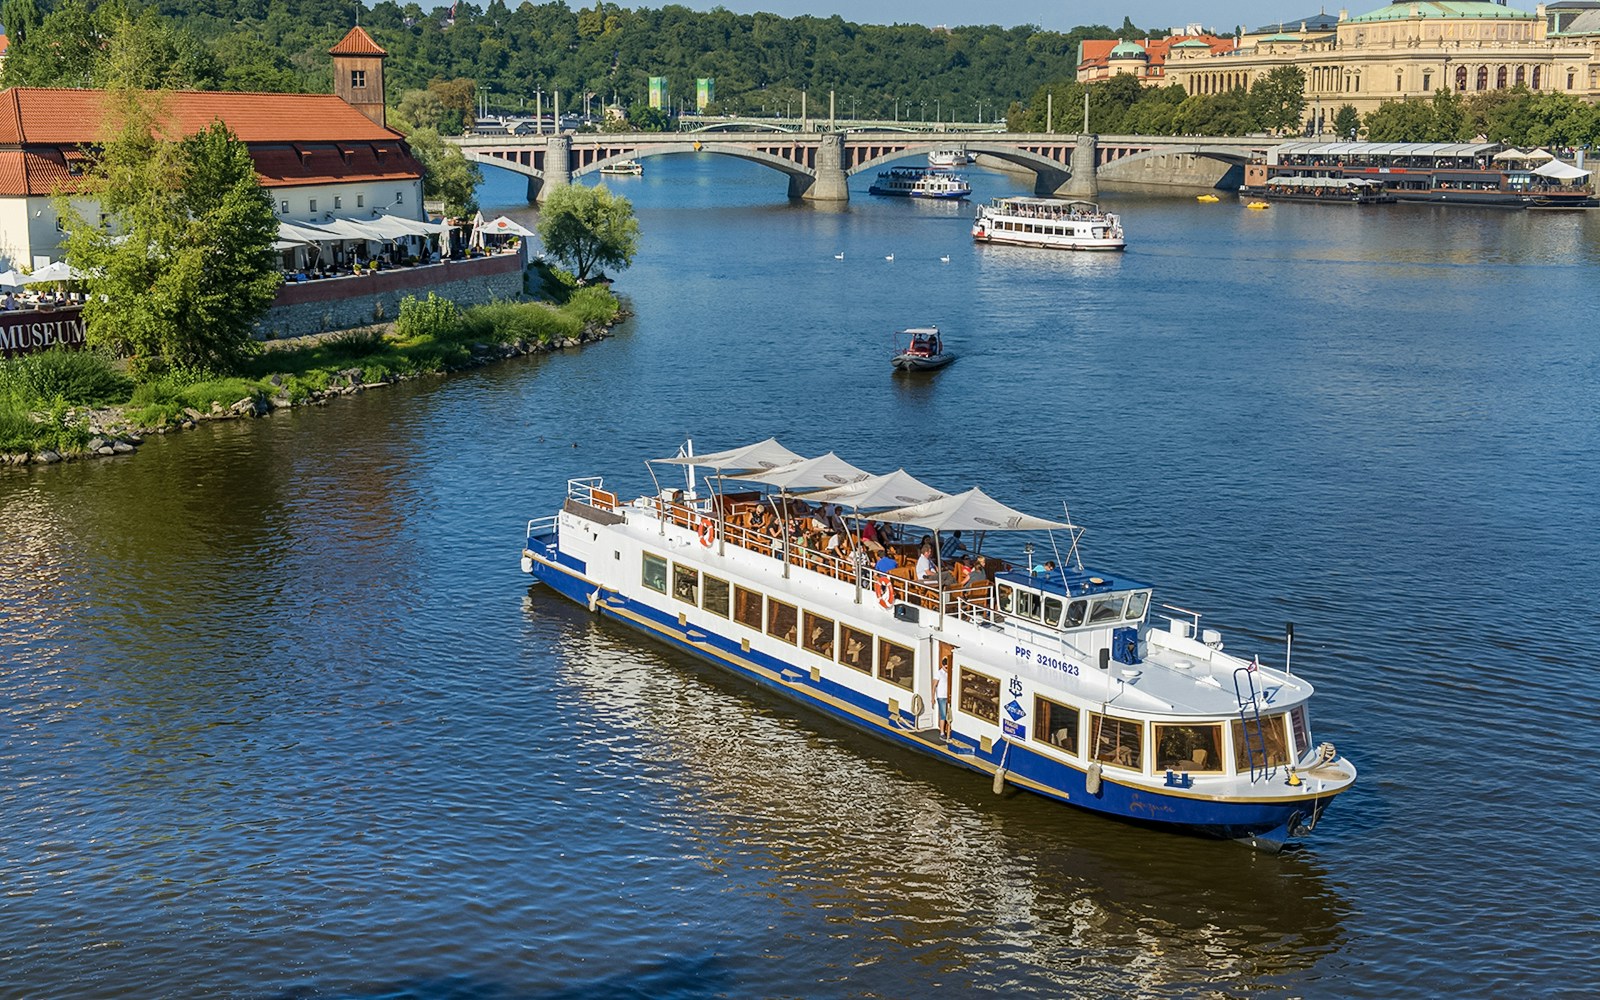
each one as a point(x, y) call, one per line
point(79, 377)
point(432, 317)
point(593, 305)
point(17, 430)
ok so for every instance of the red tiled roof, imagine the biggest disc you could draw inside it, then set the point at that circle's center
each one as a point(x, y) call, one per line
point(1097, 51)
point(293, 138)
point(357, 43)
point(46, 115)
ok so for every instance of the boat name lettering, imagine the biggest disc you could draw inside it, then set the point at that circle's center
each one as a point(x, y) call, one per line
point(1046, 660)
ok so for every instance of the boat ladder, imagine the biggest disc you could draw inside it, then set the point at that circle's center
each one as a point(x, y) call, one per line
point(1248, 694)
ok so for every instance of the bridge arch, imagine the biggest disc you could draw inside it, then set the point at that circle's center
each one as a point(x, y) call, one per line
point(478, 156)
point(788, 167)
point(747, 126)
point(1231, 155)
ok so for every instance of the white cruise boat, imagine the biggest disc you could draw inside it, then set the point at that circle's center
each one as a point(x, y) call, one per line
point(622, 168)
point(1048, 222)
point(915, 182)
point(949, 158)
point(1067, 682)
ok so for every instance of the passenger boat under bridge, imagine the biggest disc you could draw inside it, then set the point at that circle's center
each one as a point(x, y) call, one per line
point(854, 594)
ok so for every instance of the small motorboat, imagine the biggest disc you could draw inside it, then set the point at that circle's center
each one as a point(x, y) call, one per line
point(1257, 206)
point(923, 350)
point(1209, 199)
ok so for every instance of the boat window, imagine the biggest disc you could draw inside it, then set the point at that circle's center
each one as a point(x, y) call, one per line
point(1301, 729)
point(819, 635)
point(895, 663)
point(1055, 724)
point(1106, 609)
point(1119, 742)
point(714, 596)
point(1137, 604)
point(980, 695)
point(1052, 610)
point(782, 621)
point(1028, 604)
point(1005, 598)
point(855, 649)
point(1075, 612)
point(747, 607)
point(1271, 742)
point(1188, 748)
point(685, 583)
point(655, 573)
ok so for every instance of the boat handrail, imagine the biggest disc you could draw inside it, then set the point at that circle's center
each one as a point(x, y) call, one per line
point(540, 525)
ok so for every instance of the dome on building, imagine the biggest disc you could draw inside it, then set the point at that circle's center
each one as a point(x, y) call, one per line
point(1446, 9)
point(1129, 50)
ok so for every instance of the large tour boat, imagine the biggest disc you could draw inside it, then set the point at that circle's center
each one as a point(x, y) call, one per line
point(915, 182)
point(856, 595)
point(949, 158)
point(1440, 173)
point(1048, 222)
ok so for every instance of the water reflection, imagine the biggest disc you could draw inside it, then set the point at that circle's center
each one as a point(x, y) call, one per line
point(917, 857)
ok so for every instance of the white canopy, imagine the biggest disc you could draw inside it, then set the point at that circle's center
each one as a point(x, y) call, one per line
point(1560, 171)
point(298, 233)
point(1512, 155)
point(973, 510)
point(503, 226)
point(824, 471)
point(10, 279)
point(897, 489)
point(768, 454)
point(54, 271)
point(1541, 154)
point(348, 229)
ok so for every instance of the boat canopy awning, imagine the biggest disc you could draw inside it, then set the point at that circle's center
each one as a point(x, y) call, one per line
point(1304, 148)
point(768, 454)
point(1560, 171)
point(822, 472)
point(897, 489)
point(973, 510)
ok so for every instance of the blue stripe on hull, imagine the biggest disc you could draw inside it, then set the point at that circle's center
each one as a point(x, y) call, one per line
point(1265, 823)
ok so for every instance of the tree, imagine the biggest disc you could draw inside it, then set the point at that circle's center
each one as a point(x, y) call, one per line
point(1279, 99)
point(585, 227)
point(183, 266)
point(20, 18)
point(1346, 122)
point(61, 51)
point(447, 174)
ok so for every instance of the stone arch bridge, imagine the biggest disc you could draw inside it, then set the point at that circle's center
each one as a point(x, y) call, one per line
point(819, 164)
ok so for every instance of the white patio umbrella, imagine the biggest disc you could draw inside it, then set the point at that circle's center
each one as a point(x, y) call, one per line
point(1541, 154)
point(1512, 155)
point(53, 271)
point(10, 279)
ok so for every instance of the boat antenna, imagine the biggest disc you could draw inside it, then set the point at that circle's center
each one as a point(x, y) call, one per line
point(1055, 550)
point(688, 452)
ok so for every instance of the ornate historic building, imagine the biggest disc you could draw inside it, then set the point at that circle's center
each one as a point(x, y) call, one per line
point(1408, 49)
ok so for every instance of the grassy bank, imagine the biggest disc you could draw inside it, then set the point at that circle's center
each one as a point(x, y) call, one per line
point(53, 401)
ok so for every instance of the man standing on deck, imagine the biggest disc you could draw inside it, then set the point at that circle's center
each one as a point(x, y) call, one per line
point(941, 695)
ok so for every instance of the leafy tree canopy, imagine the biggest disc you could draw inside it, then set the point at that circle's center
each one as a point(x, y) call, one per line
point(588, 227)
point(183, 265)
point(448, 175)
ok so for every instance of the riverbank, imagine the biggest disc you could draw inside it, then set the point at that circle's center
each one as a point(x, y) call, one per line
point(66, 405)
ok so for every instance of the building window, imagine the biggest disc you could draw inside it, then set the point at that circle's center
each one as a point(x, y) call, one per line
point(1427, 83)
point(358, 79)
point(1522, 75)
point(685, 583)
point(980, 695)
point(313, 204)
point(338, 202)
point(1055, 724)
point(283, 207)
point(1534, 85)
point(714, 596)
point(1119, 742)
point(747, 607)
point(1572, 79)
point(1500, 76)
point(894, 663)
point(819, 635)
point(1269, 747)
point(856, 649)
point(782, 621)
point(361, 201)
point(1483, 78)
point(399, 196)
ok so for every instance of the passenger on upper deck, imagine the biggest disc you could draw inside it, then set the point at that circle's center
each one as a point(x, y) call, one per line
point(886, 564)
point(927, 567)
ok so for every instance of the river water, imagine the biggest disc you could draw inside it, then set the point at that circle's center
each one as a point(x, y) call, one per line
point(280, 718)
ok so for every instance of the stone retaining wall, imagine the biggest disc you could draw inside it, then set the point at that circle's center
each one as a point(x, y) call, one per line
point(343, 303)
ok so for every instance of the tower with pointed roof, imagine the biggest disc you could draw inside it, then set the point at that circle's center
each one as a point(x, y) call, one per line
point(358, 74)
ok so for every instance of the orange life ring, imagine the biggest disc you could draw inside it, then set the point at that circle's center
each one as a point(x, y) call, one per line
point(708, 531)
point(884, 588)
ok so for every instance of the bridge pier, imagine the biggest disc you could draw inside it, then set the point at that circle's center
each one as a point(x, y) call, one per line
point(1083, 183)
point(557, 168)
point(830, 183)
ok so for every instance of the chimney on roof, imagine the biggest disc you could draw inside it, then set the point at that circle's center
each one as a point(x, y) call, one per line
point(358, 74)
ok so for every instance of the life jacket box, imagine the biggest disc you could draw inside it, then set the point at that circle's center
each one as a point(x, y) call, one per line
point(906, 613)
point(1125, 645)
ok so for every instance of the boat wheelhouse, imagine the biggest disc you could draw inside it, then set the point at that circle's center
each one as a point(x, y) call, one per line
point(1445, 173)
point(1050, 223)
point(916, 182)
point(1053, 678)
